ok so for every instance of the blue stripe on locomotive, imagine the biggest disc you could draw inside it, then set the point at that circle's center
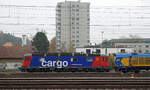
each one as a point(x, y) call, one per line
point(130, 54)
point(141, 55)
point(81, 62)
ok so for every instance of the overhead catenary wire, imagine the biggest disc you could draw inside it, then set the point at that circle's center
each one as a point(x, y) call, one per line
point(18, 12)
point(46, 8)
point(93, 25)
point(50, 6)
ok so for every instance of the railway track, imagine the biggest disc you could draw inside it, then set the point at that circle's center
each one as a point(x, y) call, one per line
point(75, 83)
point(69, 74)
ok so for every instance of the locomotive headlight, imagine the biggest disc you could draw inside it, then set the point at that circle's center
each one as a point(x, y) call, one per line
point(118, 60)
point(42, 59)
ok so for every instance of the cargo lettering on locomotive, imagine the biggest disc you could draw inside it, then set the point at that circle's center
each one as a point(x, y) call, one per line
point(58, 64)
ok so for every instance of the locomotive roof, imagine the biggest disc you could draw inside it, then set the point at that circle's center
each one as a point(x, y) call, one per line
point(65, 54)
point(132, 54)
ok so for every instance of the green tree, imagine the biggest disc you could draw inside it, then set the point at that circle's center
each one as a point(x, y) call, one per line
point(41, 42)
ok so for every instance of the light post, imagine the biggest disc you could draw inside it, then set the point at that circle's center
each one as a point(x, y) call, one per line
point(102, 38)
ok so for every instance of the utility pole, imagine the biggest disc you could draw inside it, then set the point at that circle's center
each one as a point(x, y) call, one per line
point(102, 42)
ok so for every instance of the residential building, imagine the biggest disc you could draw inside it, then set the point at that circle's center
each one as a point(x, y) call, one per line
point(72, 24)
point(141, 45)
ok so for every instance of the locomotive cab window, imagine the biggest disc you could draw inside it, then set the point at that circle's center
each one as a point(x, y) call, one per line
point(74, 60)
point(89, 59)
point(24, 58)
point(102, 59)
point(28, 58)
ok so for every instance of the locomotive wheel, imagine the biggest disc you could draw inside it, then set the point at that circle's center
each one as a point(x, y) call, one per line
point(107, 70)
point(137, 71)
point(23, 70)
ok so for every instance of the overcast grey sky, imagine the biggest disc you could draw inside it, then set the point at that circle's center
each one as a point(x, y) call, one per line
point(117, 18)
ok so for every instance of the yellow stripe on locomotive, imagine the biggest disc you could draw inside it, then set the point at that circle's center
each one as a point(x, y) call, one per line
point(140, 61)
point(134, 60)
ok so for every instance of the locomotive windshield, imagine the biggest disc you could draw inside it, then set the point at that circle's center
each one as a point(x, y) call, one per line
point(89, 59)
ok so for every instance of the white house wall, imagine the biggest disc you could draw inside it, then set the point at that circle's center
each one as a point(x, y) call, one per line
point(103, 50)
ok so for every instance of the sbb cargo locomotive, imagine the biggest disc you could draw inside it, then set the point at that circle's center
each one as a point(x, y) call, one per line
point(71, 62)
point(66, 62)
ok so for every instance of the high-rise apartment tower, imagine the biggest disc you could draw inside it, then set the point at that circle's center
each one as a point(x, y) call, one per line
point(72, 24)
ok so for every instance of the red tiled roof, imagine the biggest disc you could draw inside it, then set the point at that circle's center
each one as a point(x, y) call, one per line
point(8, 44)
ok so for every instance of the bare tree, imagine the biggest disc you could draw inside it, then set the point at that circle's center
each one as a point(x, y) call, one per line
point(53, 45)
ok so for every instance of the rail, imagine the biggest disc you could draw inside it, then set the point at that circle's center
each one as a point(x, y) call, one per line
point(75, 83)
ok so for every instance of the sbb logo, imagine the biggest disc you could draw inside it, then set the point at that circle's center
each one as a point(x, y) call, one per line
point(58, 64)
